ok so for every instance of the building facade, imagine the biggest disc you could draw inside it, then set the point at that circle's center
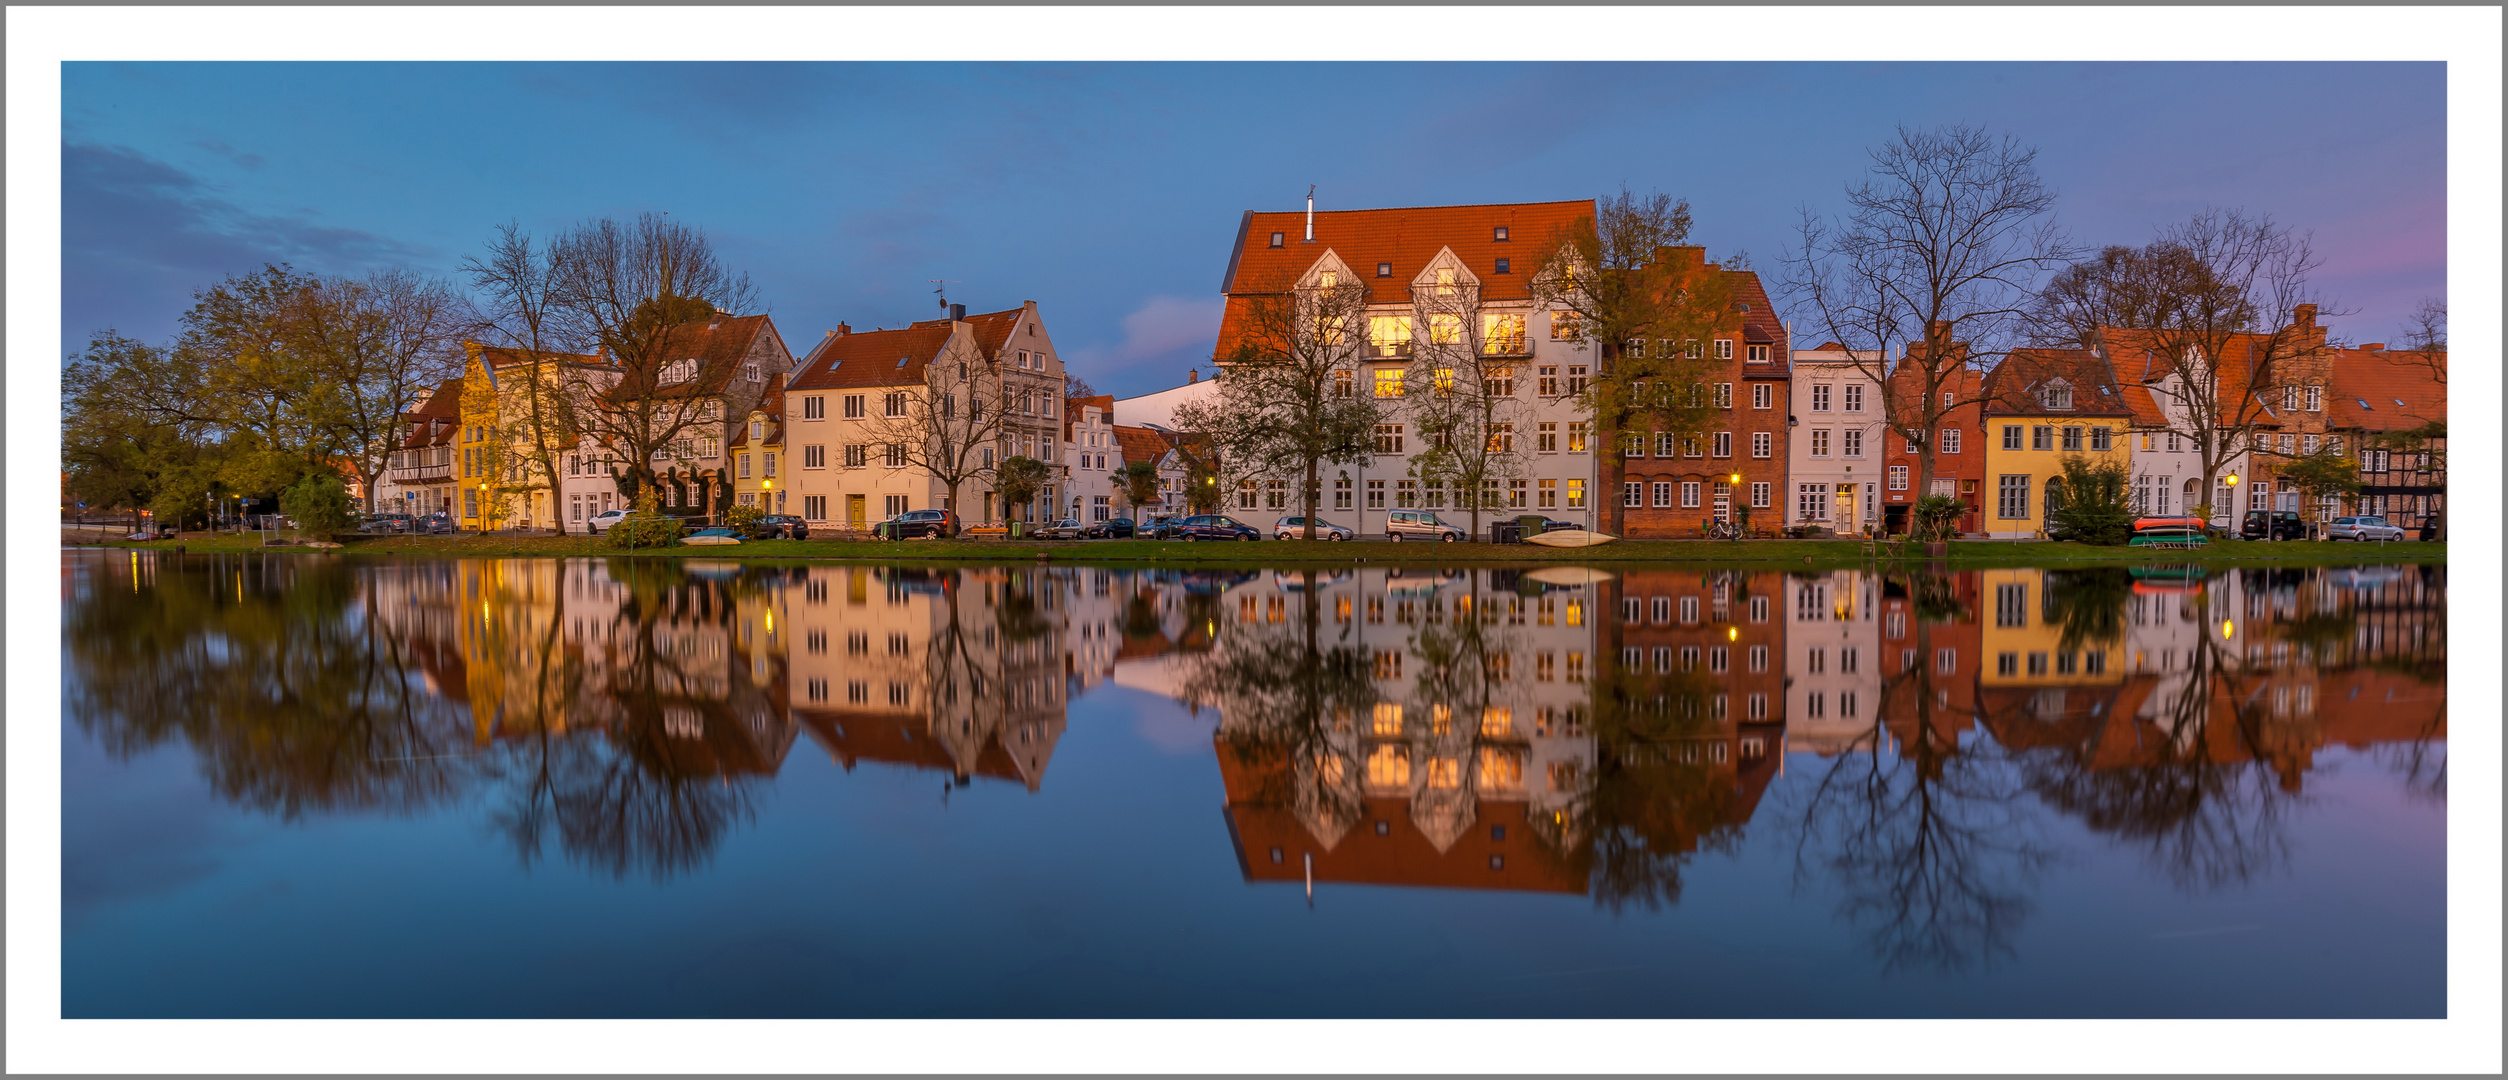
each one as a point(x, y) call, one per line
point(1836, 457)
point(2042, 406)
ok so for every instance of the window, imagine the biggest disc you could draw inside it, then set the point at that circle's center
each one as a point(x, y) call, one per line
point(1724, 444)
point(1279, 239)
point(1763, 396)
point(814, 457)
point(1689, 494)
point(857, 455)
point(1811, 502)
point(2012, 498)
point(1949, 438)
point(1724, 348)
point(853, 407)
point(1761, 493)
point(1502, 335)
point(1898, 477)
point(1663, 494)
point(893, 455)
point(1819, 442)
point(2072, 440)
point(1388, 382)
point(1498, 382)
point(1819, 397)
point(1546, 437)
point(1762, 444)
point(1854, 440)
point(1549, 494)
point(2011, 436)
point(814, 507)
point(1854, 397)
point(1576, 437)
point(1575, 378)
point(1389, 437)
point(893, 403)
point(1384, 269)
point(1504, 267)
point(2316, 399)
point(2101, 439)
point(1515, 493)
point(1388, 335)
point(1375, 494)
point(1576, 493)
point(814, 407)
point(1632, 494)
point(1758, 354)
point(1636, 348)
point(1667, 444)
point(744, 466)
point(2042, 437)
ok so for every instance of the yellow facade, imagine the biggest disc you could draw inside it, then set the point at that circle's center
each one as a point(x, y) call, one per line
point(478, 449)
point(2033, 449)
point(2022, 648)
point(758, 465)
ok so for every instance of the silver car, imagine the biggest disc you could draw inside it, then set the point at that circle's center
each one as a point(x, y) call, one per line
point(2363, 528)
point(1294, 528)
point(1419, 525)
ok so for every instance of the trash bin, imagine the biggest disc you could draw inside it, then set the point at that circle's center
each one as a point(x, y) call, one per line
point(1018, 529)
point(1505, 532)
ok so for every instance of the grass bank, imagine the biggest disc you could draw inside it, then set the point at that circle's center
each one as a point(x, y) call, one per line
point(1292, 552)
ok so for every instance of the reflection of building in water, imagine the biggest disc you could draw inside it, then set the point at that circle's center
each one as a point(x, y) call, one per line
point(1455, 703)
point(1929, 655)
point(2258, 665)
point(1833, 659)
point(962, 671)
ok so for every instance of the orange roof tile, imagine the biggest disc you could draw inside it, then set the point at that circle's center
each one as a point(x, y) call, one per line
point(873, 358)
point(2011, 388)
point(1141, 444)
point(2377, 390)
point(1405, 237)
point(992, 329)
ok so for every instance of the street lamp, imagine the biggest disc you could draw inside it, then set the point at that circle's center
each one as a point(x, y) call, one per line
point(483, 509)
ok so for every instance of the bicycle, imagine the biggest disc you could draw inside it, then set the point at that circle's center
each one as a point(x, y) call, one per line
point(1723, 530)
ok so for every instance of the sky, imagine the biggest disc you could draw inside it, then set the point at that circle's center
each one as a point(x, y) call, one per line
point(1109, 193)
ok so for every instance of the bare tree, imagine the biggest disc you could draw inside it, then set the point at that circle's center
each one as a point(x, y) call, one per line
point(1290, 401)
point(1617, 279)
point(2197, 316)
point(1464, 393)
point(625, 286)
point(377, 347)
point(1936, 262)
point(2425, 337)
point(517, 309)
point(950, 423)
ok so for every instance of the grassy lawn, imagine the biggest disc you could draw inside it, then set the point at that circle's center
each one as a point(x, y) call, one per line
point(1289, 552)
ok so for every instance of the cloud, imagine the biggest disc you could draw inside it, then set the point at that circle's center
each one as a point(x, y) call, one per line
point(139, 236)
point(1163, 336)
point(249, 161)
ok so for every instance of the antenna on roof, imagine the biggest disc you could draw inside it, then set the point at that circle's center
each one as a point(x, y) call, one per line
point(1310, 213)
point(937, 285)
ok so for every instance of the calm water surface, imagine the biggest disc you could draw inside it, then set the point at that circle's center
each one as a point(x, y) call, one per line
point(306, 787)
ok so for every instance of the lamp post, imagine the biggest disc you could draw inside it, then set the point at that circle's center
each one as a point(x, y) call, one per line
point(2232, 481)
point(1741, 509)
point(483, 509)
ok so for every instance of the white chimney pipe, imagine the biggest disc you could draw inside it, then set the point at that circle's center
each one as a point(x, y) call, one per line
point(1310, 213)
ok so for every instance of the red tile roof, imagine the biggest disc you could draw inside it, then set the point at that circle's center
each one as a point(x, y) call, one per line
point(2011, 388)
point(1141, 444)
point(872, 358)
point(1407, 237)
point(992, 329)
point(2377, 390)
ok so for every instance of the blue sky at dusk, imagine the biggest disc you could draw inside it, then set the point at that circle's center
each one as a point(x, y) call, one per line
point(1109, 193)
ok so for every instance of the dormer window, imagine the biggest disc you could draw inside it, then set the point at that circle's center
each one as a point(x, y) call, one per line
point(1445, 281)
point(1279, 239)
point(2057, 396)
point(750, 372)
point(679, 371)
point(1499, 234)
point(757, 430)
point(1328, 279)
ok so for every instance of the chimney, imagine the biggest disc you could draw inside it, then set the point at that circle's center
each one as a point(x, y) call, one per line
point(2374, 346)
point(1310, 213)
point(2304, 315)
point(841, 330)
point(1192, 375)
point(957, 313)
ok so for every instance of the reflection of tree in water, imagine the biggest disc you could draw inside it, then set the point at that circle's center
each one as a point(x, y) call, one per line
point(674, 768)
point(1932, 845)
point(277, 673)
point(1287, 690)
point(1646, 808)
point(2088, 604)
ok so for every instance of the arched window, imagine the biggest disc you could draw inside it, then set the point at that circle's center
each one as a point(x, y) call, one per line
point(2054, 494)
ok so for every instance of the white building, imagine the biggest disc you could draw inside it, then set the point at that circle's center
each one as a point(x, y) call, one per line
point(1832, 661)
point(1834, 458)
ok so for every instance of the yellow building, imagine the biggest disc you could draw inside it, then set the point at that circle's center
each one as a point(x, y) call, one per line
point(2041, 407)
point(757, 452)
point(2023, 642)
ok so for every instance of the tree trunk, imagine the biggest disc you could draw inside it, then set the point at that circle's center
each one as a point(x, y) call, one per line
point(1306, 496)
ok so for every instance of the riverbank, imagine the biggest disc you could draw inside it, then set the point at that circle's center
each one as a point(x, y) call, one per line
point(1966, 553)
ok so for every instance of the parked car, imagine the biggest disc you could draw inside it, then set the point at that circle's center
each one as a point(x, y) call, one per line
point(1419, 525)
point(1110, 529)
point(780, 526)
point(920, 523)
point(1159, 528)
point(439, 522)
point(1064, 529)
point(605, 519)
point(2284, 525)
point(2369, 527)
point(388, 522)
point(1215, 527)
point(1294, 528)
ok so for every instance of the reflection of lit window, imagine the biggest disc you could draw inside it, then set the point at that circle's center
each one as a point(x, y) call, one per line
point(1562, 776)
point(1387, 719)
point(1498, 721)
point(1389, 766)
point(1501, 768)
point(1440, 718)
point(1576, 613)
point(1445, 774)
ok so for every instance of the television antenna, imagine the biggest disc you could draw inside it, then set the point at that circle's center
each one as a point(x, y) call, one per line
point(938, 284)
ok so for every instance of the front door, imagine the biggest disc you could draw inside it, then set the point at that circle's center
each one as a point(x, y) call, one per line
point(1724, 502)
point(857, 511)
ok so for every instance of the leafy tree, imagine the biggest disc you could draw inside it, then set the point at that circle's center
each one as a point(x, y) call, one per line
point(1138, 481)
point(743, 520)
point(1937, 517)
point(1017, 481)
point(647, 527)
point(1616, 280)
point(318, 504)
point(2326, 474)
point(2089, 502)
